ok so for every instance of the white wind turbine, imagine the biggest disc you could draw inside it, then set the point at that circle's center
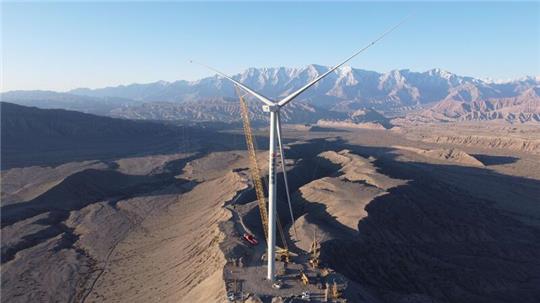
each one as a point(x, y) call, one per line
point(274, 107)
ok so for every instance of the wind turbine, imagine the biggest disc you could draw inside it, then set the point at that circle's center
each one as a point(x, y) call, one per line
point(273, 108)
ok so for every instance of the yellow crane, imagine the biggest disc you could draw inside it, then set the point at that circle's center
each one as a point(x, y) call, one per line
point(281, 253)
point(315, 251)
point(304, 278)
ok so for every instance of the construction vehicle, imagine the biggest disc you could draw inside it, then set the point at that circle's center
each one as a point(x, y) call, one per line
point(304, 278)
point(278, 284)
point(251, 239)
point(315, 252)
point(283, 255)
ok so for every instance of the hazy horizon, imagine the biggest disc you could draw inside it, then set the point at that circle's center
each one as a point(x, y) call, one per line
point(63, 46)
point(488, 80)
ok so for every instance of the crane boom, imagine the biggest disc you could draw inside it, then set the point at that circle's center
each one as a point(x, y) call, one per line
point(254, 166)
point(256, 172)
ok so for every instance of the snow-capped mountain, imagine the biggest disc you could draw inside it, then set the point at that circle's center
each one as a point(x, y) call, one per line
point(337, 97)
point(395, 89)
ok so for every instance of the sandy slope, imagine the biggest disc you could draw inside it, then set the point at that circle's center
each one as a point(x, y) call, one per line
point(160, 244)
point(490, 137)
point(390, 214)
point(24, 184)
point(149, 164)
point(358, 169)
point(175, 256)
point(448, 154)
point(450, 233)
point(342, 197)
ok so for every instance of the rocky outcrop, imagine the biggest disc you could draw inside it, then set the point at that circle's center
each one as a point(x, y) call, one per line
point(488, 142)
point(524, 108)
point(433, 238)
point(448, 154)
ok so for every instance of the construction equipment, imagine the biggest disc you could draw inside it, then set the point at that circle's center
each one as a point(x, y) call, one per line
point(278, 284)
point(304, 278)
point(282, 254)
point(315, 252)
point(250, 239)
point(253, 165)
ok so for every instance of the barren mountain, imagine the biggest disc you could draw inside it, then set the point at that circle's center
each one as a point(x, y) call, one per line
point(228, 110)
point(524, 108)
point(222, 109)
point(361, 118)
point(33, 136)
point(398, 88)
point(344, 91)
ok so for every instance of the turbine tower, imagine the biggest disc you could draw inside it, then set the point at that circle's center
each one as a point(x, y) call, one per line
point(273, 108)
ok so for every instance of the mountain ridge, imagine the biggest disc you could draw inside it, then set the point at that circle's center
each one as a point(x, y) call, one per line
point(401, 86)
point(524, 108)
point(335, 98)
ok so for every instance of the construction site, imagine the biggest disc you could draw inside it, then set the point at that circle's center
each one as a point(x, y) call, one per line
point(299, 274)
point(295, 281)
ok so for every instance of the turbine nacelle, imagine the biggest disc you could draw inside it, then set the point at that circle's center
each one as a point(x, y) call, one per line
point(271, 108)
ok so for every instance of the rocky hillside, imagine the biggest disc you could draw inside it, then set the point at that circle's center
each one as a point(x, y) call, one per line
point(524, 108)
point(222, 109)
point(419, 232)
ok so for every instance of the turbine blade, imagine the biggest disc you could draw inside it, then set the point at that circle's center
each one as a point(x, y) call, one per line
point(278, 128)
point(290, 97)
point(245, 88)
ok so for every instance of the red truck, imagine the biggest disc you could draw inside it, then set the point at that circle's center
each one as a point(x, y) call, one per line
point(250, 239)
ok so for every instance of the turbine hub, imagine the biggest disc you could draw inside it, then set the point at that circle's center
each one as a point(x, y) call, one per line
point(270, 108)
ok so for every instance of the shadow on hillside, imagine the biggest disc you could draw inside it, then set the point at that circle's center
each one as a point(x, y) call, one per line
point(56, 151)
point(489, 160)
point(440, 238)
point(76, 192)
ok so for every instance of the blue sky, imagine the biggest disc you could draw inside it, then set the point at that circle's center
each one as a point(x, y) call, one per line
point(60, 46)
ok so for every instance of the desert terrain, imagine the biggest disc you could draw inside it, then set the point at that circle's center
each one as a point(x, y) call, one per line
point(270, 152)
point(415, 213)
